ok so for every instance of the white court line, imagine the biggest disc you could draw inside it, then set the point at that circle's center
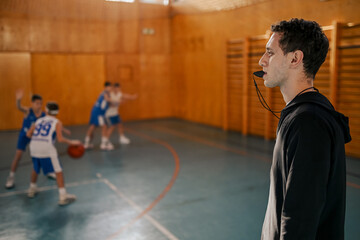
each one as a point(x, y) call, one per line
point(47, 188)
point(155, 223)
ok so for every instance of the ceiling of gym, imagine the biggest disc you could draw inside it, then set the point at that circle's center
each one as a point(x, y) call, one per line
point(110, 10)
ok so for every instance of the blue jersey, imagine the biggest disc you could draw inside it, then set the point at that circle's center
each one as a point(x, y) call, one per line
point(29, 120)
point(101, 105)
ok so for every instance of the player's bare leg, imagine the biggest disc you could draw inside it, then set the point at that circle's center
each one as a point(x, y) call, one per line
point(89, 136)
point(110, 131)
point(105, 143)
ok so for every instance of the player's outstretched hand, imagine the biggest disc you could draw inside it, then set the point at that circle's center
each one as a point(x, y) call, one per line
point(76, 142)
point(19, 94)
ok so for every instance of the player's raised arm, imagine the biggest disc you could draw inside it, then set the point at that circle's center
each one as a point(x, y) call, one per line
point(61, 138)
point(19, 95)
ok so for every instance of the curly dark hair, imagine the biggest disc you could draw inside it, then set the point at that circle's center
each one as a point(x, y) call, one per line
point(307, 36)
point(35, 97)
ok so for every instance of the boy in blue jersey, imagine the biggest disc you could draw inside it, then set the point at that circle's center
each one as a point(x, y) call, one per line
point(31, 114)
point(97, 118)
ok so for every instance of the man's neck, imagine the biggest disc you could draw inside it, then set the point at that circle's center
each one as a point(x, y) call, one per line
point(292, 88)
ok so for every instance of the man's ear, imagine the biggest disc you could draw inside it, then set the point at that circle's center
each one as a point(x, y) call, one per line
point(296, 58)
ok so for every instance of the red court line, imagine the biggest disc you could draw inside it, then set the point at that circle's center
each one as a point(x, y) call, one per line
point(166, 189)
point(354, 185)
point(201, 140)
point(244, 153)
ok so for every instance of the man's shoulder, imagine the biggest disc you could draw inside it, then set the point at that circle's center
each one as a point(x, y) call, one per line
point(309, 110)
point(308, 114)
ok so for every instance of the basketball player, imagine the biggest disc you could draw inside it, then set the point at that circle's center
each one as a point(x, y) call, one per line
point(97, 118)
point(31, 114)
point(112, 115)
point(44, 154)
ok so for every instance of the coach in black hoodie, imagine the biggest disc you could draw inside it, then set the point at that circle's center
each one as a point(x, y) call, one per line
point(308, 175)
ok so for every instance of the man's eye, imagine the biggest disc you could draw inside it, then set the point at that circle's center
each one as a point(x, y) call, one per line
point(270, 53)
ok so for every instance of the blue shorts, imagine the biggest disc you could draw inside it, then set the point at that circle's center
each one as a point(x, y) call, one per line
point(97, 119)
point(23, 141)
point(113, 120)
point(45, 164)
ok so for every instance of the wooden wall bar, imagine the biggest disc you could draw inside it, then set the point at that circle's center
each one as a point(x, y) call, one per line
point(348, 90)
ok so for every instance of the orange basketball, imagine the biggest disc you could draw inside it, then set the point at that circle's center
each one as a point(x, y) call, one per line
point(76, 151)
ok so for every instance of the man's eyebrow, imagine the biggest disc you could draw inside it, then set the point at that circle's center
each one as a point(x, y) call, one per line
point(268, 48)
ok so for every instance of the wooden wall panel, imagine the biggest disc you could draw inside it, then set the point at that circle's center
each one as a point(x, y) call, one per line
point(130, 36)
point(14, 74)
point(74, 81)
point(159, 42)
point(153, 11)
point(150, 80)
point(130, 110)
point(155, 85)
point(14, 34)
point(48, 35)
point(178, 87)
point(204, 68)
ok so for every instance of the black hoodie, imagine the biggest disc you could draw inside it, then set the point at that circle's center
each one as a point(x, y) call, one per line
point(308, 175)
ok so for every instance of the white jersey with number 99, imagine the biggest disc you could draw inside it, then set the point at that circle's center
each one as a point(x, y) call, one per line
point(43, 138)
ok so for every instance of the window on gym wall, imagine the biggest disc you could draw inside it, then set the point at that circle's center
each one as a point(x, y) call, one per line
point(161, 2)
point(128, 1)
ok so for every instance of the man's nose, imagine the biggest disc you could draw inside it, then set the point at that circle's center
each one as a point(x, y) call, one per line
point(261, 61)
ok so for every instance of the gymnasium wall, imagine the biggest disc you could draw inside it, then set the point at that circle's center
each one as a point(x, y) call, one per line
point(65, 50)
point(200, 65)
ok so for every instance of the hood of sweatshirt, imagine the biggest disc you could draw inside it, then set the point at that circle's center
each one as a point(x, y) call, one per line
point(321, 100)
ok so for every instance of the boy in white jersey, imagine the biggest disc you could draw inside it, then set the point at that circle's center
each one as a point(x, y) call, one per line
point(112, 114)
point(44, 154)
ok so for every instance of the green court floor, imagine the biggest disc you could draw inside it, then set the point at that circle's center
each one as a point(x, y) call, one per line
point(176, 180)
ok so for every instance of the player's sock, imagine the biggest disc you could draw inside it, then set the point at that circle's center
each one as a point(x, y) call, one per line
point(123, 139)
point(62, 191)
point(32, 190)
point(87, 144)
point(10, 181)
point(104, 139)
point(103, 145)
